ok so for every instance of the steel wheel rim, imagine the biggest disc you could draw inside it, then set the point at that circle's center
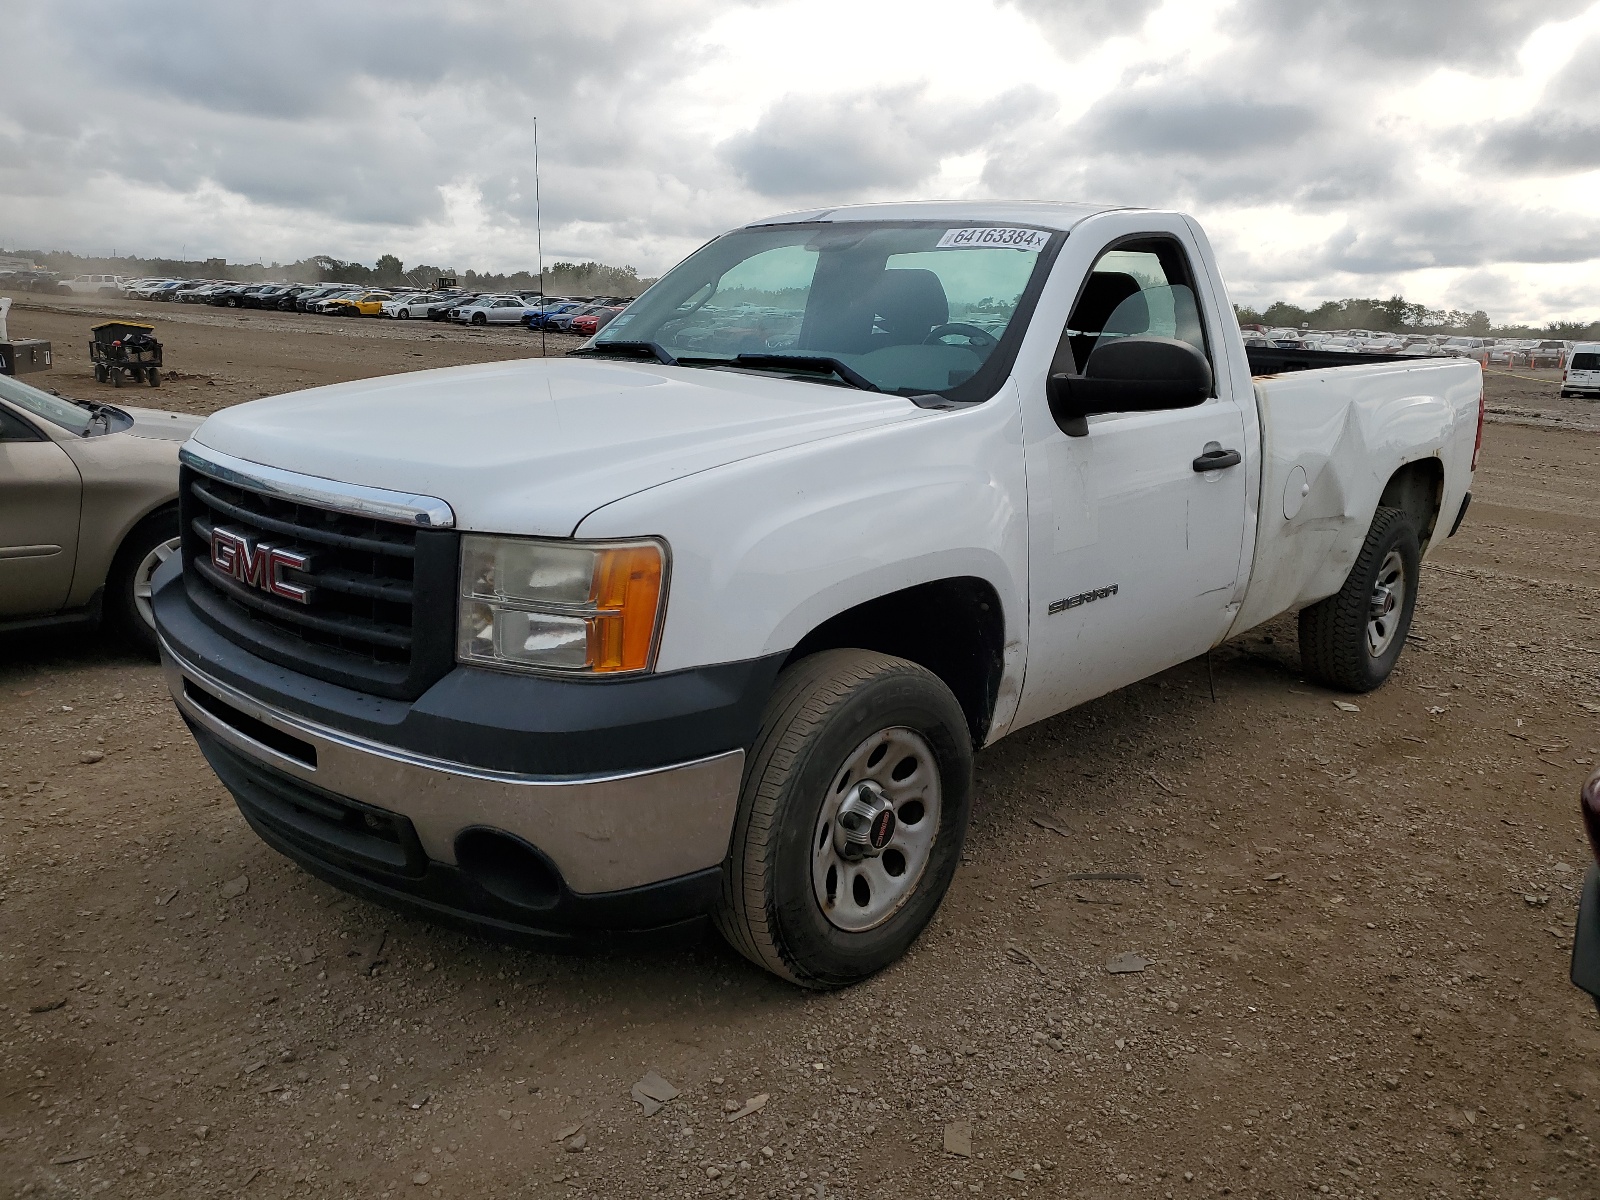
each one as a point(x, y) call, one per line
point(857, 895)
point(141, 577)
point(1387, 604)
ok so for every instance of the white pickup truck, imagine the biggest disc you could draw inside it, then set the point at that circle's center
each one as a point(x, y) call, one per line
point(710, 617)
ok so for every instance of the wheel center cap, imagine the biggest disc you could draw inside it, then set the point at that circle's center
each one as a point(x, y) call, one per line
point(865, 823)
point(881, 830)
point(1382, 602)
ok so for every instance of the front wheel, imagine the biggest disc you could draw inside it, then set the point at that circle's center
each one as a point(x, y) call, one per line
point(1353, 639)
point(479, 319)
point(851, 818)
point(152, 542)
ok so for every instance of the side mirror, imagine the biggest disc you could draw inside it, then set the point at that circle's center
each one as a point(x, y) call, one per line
point(1131, 374)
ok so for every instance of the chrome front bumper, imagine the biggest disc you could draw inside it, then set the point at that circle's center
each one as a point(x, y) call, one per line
point(604, 833)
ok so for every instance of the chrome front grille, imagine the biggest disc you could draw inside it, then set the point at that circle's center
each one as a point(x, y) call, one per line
point(360, 600)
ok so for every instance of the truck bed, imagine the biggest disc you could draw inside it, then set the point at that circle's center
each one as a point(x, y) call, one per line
point(1282, 362)
point(1330, 440)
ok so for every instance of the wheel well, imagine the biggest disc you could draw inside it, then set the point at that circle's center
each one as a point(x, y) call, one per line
point(157, 513)
point(1417, 489)
point(953, 627)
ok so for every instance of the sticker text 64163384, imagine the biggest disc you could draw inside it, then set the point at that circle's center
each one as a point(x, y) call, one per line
point(993, 238)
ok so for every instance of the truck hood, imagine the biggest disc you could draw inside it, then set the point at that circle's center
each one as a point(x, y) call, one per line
point(533, 446)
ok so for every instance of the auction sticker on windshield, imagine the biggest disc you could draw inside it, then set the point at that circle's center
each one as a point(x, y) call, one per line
point(994, 238)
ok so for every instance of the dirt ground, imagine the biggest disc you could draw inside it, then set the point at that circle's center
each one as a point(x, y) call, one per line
point(1355, 927)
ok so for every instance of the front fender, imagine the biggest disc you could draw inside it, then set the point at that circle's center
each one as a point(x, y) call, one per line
point(766, 549)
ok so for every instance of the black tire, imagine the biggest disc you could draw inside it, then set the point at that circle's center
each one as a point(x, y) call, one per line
point(1336, 648)
point(116, 377)
point(822, 711)
point(122, 604)
point(99, 374)
point(152, 377)
point(479, 319)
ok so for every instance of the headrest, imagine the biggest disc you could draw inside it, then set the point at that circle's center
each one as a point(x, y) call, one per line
point(1104, 292)
point(910, 301)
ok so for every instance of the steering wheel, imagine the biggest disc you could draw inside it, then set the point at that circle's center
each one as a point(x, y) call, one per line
point(981, 340)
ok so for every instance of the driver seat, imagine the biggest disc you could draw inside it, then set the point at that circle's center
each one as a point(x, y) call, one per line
point(1102, 295)
point(907, 303)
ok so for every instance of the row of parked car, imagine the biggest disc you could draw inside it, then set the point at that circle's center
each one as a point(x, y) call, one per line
point(561, 313)
point(1503, 352)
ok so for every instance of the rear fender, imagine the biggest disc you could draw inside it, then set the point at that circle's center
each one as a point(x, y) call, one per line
point(1332, 442)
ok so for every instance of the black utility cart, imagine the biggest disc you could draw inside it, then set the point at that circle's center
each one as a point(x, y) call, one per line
point(125, 348)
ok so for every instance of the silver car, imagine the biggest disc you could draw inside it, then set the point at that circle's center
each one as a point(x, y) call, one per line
point(88, 509)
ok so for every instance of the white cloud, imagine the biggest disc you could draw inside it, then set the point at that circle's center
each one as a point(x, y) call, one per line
point(1449, 149)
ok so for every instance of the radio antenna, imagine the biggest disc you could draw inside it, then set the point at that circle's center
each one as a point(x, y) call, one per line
point(538, 240)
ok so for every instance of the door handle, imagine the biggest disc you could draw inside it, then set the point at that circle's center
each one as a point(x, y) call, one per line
point(1216, 458)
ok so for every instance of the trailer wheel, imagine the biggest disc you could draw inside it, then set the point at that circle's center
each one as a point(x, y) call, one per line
point(116, 376)
point(1353, 639)
point(851, 818)
point(99, 373)
point(153, 377)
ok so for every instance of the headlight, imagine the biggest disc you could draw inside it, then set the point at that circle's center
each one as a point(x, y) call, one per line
point(535, 605)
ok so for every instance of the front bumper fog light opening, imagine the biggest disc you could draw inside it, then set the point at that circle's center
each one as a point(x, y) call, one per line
point(508, 868)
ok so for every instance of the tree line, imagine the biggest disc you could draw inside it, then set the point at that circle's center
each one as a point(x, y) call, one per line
point(1399, 315)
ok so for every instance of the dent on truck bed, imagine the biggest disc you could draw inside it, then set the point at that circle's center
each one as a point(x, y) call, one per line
point(1332, 440)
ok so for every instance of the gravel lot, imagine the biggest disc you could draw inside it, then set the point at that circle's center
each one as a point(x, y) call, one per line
point(1354, 926)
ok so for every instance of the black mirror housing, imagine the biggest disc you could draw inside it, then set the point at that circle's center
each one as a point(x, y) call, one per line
point(1132, 374)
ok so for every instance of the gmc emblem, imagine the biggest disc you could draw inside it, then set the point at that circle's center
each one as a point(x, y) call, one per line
point(259, 564)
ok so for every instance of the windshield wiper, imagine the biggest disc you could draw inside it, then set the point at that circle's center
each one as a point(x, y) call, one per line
point(816, 363)
point(101, 413)
point(633, 350)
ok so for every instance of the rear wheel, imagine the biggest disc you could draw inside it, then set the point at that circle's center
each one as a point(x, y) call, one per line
point(152, 377)
point(851, 820)
point(1353, 639)
point(99, 373)
point(152, 542)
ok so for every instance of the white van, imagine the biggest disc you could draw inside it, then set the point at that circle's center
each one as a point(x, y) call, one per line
point(1583, 371)
point(96, 285)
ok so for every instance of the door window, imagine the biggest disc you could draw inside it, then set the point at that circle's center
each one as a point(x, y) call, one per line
point(1140, 286)
point(15, 429)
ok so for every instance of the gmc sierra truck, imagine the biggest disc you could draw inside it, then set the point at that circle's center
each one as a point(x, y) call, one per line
point(710, 617)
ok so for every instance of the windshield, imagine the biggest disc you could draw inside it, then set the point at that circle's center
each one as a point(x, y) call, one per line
point(910, 308)
point(42, 404)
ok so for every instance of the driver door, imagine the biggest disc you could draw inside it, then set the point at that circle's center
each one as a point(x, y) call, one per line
point(40, 498)
point(1135, 552)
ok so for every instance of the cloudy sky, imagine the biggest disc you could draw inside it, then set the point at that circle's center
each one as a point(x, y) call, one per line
point(1446, 149)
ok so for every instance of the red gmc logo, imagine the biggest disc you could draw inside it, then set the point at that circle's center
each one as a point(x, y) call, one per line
point(259, 564)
